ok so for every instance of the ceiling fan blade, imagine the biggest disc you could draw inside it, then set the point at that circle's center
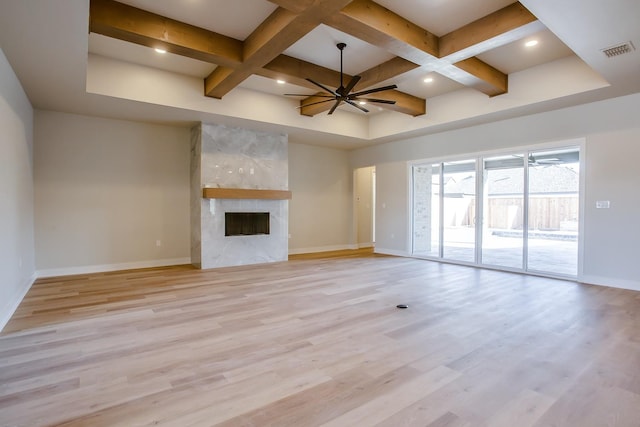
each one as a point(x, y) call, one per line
point(315, 103)
point(322, 87)
point(351, 85)
point(379, 101)
point(306, 94)
point(379, 89)
point(334, 106)
point(356, 105)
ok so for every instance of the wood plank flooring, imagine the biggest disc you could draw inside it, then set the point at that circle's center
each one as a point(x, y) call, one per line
point(318, 341)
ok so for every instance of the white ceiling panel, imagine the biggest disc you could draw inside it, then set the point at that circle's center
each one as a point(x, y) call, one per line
point(235, 19)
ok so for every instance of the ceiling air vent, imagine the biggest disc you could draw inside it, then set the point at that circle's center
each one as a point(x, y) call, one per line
point(618, 49)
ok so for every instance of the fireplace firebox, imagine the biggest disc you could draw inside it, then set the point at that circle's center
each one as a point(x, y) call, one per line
point(246, 223)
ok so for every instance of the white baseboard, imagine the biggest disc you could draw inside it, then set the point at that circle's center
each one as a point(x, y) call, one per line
point(612, 283)
point(101, 268)
point(10, 307)
point(394, 252)
point(321, 249)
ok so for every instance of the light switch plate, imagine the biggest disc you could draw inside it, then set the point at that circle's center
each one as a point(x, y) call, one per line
point(602, 204)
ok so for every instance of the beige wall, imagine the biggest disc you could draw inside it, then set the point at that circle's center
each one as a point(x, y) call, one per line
point(320, 212)
point(392, 209)
point(106, 191)
point(364, 205)
point(17, 267)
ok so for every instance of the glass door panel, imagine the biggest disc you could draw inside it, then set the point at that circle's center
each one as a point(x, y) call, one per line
point(458, 211)
point(426, 210)
point(553, 211)
point(503, 211)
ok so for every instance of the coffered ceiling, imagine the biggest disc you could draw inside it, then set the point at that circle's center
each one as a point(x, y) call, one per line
point(455, 63)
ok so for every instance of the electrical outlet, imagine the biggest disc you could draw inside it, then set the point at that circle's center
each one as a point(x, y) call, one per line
point(158, 243)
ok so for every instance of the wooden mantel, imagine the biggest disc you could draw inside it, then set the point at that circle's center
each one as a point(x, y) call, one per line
point(245, 193)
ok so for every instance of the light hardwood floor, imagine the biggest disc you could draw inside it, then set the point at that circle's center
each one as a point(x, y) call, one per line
point(314, 342)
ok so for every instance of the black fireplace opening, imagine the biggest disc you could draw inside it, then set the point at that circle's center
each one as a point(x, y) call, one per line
point(246, 223)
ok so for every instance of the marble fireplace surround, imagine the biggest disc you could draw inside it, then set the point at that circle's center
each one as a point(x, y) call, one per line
point(237, 170)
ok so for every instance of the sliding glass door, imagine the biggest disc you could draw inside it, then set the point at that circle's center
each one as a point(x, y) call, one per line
point(526, 218)
point(503, 211)
point(459, 210)
point(553, 211)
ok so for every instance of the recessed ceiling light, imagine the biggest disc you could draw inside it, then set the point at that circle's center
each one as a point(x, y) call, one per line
point(428, 80)
point(160, 50)
point(280, 82)
point(362, 102)
point(531, 43)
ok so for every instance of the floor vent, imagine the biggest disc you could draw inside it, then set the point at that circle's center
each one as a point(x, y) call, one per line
point(618, 49)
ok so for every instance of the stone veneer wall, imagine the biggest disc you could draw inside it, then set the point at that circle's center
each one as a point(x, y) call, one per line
point(228, 157)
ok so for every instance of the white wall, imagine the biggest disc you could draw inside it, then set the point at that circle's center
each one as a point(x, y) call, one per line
point(106, 191)
point(364, 205)
point(612, 134)
point(392, 198)
point(17, 266)
point(612, 236)
point(320, 211)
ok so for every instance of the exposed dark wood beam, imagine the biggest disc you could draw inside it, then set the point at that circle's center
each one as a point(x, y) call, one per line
point(134, 25)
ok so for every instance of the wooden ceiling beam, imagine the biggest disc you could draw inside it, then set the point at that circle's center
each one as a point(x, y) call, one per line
point(452, 55)
point(482, 76)
point(296, 71)
point(295, 6)
point(504, 26)
point(279, 31)
point(405, 103)
point(385, 71)
point(312, 110)
point(381, 27)
point(123, 22)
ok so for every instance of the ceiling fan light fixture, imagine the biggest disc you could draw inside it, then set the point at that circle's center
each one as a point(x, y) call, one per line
point(344, 93)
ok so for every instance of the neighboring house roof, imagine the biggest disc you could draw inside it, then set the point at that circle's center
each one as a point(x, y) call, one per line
point(547, 179)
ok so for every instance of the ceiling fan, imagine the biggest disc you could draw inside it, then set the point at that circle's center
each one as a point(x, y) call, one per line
point(343, 93)
point(546, 161)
